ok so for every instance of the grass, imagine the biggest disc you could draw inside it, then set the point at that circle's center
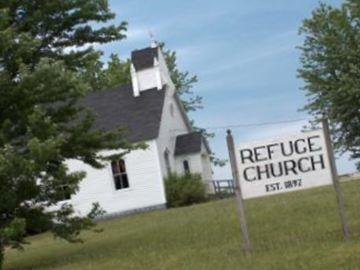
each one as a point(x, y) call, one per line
point(298, 230)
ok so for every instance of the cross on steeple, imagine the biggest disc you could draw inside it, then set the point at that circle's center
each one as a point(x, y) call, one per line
point(153, 43)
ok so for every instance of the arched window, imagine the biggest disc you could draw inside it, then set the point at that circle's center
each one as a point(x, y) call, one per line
point(121, 180)
point(167, 161)
point(186, 166)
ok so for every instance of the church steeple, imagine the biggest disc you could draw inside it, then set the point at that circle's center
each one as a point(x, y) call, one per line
point(148, 69)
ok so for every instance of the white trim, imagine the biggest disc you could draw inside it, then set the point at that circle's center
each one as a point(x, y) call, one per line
point(161, 177)
point(134, 81)
point(158, 79)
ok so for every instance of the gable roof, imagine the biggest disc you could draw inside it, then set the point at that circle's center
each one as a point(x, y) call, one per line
point(144, 58)
point(118, 108)
point(189, 143)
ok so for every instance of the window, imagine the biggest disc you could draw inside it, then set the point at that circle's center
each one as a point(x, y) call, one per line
point(186, 166)
point(167, 161)
point(119, 173)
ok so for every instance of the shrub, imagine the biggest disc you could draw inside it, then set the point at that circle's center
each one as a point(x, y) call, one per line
point(184, 190)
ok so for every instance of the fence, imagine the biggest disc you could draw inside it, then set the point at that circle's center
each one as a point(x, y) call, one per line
point(225, 186)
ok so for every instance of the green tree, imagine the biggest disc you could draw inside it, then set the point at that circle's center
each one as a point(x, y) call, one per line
point(117, 71)
point(41, 122)
point(331, 70)
point(184, 82)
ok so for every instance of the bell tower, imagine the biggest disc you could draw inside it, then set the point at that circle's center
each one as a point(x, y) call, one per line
point(149, 69)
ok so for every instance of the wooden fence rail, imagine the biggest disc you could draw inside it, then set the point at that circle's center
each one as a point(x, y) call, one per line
point(225, 186)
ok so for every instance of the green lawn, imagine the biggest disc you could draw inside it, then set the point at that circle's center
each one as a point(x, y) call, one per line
point(298, 230)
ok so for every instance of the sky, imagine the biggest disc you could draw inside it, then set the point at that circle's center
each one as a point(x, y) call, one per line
point(244, 54)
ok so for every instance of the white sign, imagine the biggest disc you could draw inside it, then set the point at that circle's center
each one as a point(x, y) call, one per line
point(283, 164)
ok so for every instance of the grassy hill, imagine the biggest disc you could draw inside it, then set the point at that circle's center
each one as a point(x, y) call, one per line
point(298, 230)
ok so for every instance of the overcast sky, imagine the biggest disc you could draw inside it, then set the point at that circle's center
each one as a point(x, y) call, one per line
point(244, 53)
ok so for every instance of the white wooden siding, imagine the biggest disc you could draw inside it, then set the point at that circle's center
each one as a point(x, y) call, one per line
point(171, 126)
point(198, 163)
point(145, 180)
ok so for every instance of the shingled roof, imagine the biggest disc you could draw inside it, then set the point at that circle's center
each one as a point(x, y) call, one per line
point(189, 143)
point(118, 108)
point(144, 58)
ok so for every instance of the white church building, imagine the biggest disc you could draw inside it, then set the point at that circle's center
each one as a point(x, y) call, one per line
point(149, 111)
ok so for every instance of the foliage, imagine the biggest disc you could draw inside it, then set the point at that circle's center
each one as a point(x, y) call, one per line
point(331, 70)
point(36, 221)
point(299, 230)
point(117, 71)
point(41, 122)
point(183, 82)
point(208, 135)
point(184, 189)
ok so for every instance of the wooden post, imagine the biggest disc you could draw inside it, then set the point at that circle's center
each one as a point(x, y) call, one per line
point(335, 178)
point(239, 199)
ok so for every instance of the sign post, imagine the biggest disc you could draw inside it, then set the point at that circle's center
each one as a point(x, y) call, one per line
point(335, 179)
point(284, 164)
point(239, 198)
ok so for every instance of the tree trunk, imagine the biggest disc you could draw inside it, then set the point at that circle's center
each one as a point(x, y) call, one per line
point(2, 253)
point(1, 258)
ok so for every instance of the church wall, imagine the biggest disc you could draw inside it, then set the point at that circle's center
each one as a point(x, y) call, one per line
point(145, 180)
point(198, 163)
point(207, 173)
point(172, 125)
point(195, 163)
point(164, 73)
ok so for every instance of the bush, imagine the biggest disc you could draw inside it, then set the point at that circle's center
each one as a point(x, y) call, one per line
point(184, 190)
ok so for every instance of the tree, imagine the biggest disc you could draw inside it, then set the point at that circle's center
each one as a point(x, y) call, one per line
point(183, 82)
point(116, 72)
point(41, 121)
point(331, 70)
